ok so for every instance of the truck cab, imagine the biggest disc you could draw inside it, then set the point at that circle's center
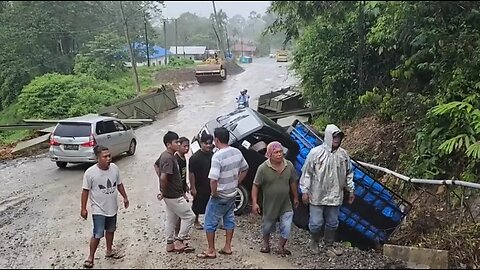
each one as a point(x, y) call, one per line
point(282, 56)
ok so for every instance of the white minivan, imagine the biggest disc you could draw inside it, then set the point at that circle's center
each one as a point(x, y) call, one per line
point(73, 139)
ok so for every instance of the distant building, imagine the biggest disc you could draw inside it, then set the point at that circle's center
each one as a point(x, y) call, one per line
point(240, 49)
point(157, 55)
point(192, 52)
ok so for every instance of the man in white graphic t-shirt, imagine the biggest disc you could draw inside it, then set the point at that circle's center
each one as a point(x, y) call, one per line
point(101, 184)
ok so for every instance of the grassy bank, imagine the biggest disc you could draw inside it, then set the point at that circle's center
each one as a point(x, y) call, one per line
point(123, 80)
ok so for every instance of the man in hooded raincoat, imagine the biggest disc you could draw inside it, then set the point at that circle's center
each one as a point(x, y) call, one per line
point(327, 172)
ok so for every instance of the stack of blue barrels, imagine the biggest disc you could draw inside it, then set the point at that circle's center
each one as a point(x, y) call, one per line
point(376, 212)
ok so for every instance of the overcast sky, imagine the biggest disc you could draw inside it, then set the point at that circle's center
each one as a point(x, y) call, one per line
point(173, 9)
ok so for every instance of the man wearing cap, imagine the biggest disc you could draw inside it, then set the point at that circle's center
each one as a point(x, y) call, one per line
point(199, 167)
point(327, 172)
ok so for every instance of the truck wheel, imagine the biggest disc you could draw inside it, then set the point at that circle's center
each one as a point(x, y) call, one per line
point(241, 201)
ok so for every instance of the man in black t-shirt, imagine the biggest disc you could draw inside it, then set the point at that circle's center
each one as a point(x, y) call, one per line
point(199, 167)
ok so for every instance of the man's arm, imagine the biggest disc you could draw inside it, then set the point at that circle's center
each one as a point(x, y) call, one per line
point(350, 184)
point(293, 191)
point(157, 169)
point(214, 175)
point(193, 190)
point(243, 170)
point(84, 199)
point(258, 181)
point(163, 182)
point(307, 173)
point(213, 187)
point(242, 176)
point(121, 189)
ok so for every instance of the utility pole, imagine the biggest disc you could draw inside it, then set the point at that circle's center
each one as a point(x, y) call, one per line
point(146, 37)
point(361, 46)
point(132, 58)
point(176, 38)
point(165, 37)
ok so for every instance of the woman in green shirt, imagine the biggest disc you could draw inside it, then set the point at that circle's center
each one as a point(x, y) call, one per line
point(277, 179)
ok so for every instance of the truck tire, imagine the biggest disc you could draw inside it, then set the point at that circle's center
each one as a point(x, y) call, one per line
point(241, 200)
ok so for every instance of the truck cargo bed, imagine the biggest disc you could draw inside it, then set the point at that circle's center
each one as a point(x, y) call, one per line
point(376, 212)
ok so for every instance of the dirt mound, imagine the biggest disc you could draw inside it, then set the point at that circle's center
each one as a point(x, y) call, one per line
point(233, 68)
point(370, 139)
point(175, 76)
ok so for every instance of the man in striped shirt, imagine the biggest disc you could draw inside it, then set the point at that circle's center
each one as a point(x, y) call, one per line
point(227, 171)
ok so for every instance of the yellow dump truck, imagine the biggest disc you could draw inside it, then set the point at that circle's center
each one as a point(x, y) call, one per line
point(282, 56)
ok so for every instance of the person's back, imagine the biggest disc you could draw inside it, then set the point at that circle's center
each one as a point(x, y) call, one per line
point(226, 166)
point(227, 171)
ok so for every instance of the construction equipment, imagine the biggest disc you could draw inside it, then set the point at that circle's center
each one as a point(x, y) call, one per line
point(211, 70)
point(282, 56)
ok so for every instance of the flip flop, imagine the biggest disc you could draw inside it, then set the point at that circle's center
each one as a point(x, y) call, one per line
point(199, 227)
point(188, 249)
point(88, 264)
point(265, 250)
point(205, 255)
point(285, 252)
point(114, 255)
point(223, 252)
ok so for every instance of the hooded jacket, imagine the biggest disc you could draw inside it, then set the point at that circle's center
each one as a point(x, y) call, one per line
point(327, 173)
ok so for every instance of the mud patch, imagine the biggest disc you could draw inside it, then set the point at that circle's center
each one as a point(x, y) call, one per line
point(175, 76)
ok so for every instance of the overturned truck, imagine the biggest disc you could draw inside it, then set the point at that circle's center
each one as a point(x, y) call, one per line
point(376, 212)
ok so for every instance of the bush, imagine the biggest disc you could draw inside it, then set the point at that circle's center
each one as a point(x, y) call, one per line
point(177, 61)
point(59, 96)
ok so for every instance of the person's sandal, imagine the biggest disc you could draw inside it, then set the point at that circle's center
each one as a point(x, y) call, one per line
point(265, 250)
point(205, 255)
point(88, 264)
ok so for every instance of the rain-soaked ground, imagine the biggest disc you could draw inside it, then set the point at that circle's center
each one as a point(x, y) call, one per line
point(40, 223)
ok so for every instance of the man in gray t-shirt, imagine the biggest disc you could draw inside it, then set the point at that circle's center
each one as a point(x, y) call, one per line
point(101, 185)
point(227, 171)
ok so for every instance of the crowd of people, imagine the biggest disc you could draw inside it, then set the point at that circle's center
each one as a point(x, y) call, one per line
point(212, 181)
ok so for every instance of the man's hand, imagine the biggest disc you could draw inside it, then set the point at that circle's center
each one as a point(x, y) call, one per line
point(126, 203)
point(305, 198)
point(186, 197)
point(84, 213)
point(193, 191)
point(256, 209)
point(296, 203)
point(351, 197)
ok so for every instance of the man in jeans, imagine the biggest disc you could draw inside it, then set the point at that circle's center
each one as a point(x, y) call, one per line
point(101, 184)
point(325, 174)
point(173, 194)
point(227, 171)
point(277, 179)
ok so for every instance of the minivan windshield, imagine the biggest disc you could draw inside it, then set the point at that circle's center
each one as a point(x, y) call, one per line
point(73, 130)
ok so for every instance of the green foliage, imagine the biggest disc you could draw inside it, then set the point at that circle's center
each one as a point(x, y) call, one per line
point(38, 37)
point(418, 57)
point(60, 96)
point(102, 58)
point(177, 61)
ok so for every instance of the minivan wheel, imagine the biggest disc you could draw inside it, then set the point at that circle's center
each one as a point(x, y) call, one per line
point(132, 148)
point(62, 164)
point(241, 200)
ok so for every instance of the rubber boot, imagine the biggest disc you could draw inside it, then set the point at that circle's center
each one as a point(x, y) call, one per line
point(329, 242)
point(314, 243)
